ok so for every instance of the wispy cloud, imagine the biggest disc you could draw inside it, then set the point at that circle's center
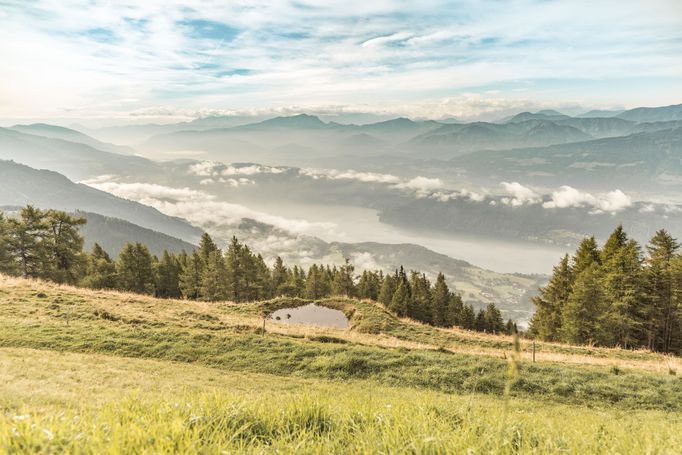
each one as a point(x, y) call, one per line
point(200, 207)
point(68, 57)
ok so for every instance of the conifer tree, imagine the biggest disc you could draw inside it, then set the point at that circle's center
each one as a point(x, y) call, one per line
point(7, 263)
point(206, 247)
point(480, 324)
point(234, 260)
point(388, 287)
point(493, 319)
point(420, 304)
point(580, 314)
point(214, 278)
point(135, 269)
point(454, 315)
point(586, 255)
point(26, 242)
point(63, 247)
point(297, 282)
point(623, 288)
point(343, 280)
point(279, 278)
point(550, 301)
point(168, 276)
point(100, 270)
point(660, 308)
point(369, 285)
point(401, 298)
point(315, 286)
point(190, 276)
point(468, 317)
point(440, 302)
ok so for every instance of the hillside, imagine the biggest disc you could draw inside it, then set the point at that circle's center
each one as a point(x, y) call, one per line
point(77, 160)
point(21, 185)
point(192, 352)
point(113, 233)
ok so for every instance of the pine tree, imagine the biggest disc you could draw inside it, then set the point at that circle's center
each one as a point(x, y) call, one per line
point(622, 274)
point(234, 260)
point(388, 287)
point(454, 315)
point(64, 247)
point(214, 278)
point(342, 283)
point(314, 286)
point(675, 342)
point(401, 298)
point(100, 270)
point(493, 319)
point(479, 324)
point(206, 247)
point(297, 283)
point(168, 276)
point(7, 263)
point(468, 318)
point(549, 303)
point(440, 302)
point(26, 243)
point(660, 309)
point(580, 315)
point(190, 277)
point(369, 285)
point(420, 304)
point(279, 278)
point(135, 269)
point(586, 255)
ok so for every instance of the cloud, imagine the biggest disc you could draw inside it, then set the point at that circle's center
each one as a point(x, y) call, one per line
point(566, 196)
point(147, 192)
point(421, 184)
point(200, 207)
point(445, 196)
point(519, 194)
point(217, 169)
point(273, 54)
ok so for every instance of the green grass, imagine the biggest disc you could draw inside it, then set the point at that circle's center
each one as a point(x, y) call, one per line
point(99, 372)
point(88, 403)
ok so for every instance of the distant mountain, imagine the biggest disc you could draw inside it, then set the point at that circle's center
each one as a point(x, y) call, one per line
point(74, 159)
point(59, 132)
point(21, 185)
point(599, 127)
point(455, 139)
point(541, 115)
point(599, 113)
point(113, 233)
point(638, 162)
point(300, 121)
point(653, 114)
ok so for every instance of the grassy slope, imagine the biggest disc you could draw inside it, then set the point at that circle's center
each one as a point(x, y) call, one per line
point(337, 382)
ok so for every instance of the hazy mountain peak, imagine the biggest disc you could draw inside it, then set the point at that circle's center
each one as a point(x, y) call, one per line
point(294, 121)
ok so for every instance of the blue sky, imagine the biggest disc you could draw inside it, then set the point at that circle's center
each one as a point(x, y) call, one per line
point(149, 59)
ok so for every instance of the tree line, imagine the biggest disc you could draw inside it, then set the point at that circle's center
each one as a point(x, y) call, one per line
point(47, 245)
point(615, 296)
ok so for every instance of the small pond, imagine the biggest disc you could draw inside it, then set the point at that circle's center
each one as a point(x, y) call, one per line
point(312, 314)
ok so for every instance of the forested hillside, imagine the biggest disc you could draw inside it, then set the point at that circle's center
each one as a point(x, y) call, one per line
point(615, 295)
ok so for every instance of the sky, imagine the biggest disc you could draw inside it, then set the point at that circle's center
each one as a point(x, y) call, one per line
point(138, 60)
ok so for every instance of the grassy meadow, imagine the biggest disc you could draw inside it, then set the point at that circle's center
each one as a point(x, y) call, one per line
point(104, 372)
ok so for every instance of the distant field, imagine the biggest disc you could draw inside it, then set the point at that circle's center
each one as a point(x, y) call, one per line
point(84, 371)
